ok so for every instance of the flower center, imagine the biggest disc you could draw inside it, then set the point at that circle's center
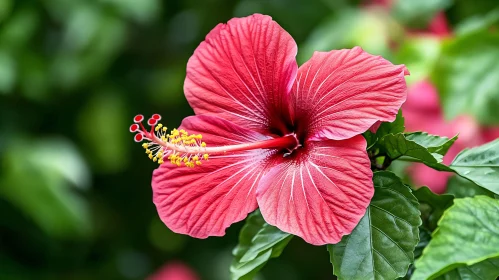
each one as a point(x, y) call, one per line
point(180, 147)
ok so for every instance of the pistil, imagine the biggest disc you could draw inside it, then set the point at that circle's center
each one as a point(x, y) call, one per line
point(181, 147)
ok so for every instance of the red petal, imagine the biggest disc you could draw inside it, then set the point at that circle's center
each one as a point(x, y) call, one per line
point(340, 94)
point(203, 201)
point(322, 195)
point(243, 72)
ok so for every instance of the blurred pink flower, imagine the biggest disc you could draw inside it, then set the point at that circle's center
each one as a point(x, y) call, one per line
point(174, 271)
point(423, 113)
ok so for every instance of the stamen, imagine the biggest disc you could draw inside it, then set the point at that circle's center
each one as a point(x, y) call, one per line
point(179, 147)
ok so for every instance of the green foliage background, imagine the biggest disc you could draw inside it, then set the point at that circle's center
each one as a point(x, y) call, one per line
point(75, 197)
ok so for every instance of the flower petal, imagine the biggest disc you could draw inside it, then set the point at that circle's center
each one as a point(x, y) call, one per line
point(243, 72)
point(340, 94)
point(203, 201)
point(322, 194)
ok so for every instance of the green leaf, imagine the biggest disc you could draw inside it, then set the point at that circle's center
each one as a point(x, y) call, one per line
point(487, 269)
point(460, 187)
point(433, 143)
point(41, 173)
point(7, 72)
point(397, 126)
point(467, 77)
point(258, 242)
point(478, 23)
point(432, 205)
point(397, 146)
point(424, 240)
point(467, 233)
point(349, 28)
point(480, 165)
point(418, 13)
point(420, 54)
point(106, 156)
point(382, 244)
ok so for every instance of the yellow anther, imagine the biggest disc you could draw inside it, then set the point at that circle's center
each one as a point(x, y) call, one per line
point(179, 147)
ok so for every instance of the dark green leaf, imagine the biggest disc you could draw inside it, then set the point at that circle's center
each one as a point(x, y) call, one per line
point(467, 77)
point(432, 205)
point(397, 145)
point(258, 242)
point(424, 239)
point(467, 233)
point(382, 244)
point(480, 165)
point(487, 269)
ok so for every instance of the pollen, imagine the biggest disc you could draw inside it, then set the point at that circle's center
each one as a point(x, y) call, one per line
point(178, 147)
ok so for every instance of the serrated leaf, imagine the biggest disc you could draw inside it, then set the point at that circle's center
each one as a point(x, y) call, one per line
point(467, 233)
point(397, 145)
point(432, 205)
point(485, 270)
point(258, 242)
point(382, 244)
point(480, 165)
point(467, 77)
point(433, 143)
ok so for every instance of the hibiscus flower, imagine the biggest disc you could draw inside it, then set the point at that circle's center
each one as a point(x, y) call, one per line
point(271, 135)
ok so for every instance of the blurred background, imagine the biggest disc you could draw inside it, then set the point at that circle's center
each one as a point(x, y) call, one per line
point(75, 196)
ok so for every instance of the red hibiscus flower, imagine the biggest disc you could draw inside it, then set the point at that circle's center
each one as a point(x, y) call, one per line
point(281, 138)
